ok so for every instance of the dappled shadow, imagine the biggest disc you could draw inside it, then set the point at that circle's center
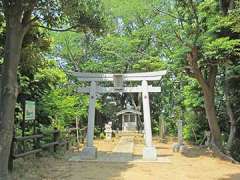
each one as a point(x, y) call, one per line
point(160, 147)
point(97, 170)
point(63, 169)
point(193, 152)
point(165, 155)
point(231, 177)
point(108, 165)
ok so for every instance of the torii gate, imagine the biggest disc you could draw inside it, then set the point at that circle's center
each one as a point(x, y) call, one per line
point(90, 151)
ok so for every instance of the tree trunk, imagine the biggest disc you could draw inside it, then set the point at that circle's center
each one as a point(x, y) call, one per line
point(230, 113)
point(9, 90)
point(211, 115)
point(231, 137)
point(208, 88)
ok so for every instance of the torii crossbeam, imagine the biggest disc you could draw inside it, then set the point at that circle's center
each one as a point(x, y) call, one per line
point(149, 151)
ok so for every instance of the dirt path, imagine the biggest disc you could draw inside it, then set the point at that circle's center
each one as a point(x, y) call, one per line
point(194, 165)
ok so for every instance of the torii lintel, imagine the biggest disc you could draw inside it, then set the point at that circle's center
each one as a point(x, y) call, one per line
point(148, 76)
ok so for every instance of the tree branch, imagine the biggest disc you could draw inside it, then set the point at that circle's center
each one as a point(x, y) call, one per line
point(58, 30)
point(26, 19)
point(192, 59)
point(166, 13)
point(181, 40)
point(13, 7)
point(234, 78)
point(194, 9)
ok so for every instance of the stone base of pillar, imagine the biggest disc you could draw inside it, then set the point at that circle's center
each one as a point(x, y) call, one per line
point(89, 153)
point(149, 153)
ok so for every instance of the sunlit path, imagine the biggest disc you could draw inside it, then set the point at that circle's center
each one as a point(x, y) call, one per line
point(123, 151)
point(196, 164)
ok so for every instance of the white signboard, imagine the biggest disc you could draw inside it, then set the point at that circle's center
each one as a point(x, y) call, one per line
point(29, 110)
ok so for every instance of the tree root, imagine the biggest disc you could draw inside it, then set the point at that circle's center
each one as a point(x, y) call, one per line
point(223, 156)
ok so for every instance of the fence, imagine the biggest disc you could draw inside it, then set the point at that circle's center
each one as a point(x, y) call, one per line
point(36, 144)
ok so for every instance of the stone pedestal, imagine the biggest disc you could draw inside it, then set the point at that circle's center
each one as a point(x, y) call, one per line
point(179, 146)
point(150, 153)
point(89, 153)
point(108, 135)
point(180, 132)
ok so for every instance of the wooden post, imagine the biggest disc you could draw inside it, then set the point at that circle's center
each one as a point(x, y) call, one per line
point(81, 132)
point(23, 121)
point(56, 136)
point(82, 135)
point(37, 144)
point(135, 118)
point(123, 123)
point(23, 126)
point(77, 128)
point(12, 151)
point(67, 145)
point(161, 129)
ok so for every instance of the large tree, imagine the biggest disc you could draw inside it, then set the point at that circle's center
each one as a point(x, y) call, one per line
point(198, 38)
point(20, 16)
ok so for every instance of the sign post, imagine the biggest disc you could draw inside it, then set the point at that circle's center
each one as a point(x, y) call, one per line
point(29, 110)
point(30, 113)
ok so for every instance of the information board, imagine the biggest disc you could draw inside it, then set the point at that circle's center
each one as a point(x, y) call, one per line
point(29, 110)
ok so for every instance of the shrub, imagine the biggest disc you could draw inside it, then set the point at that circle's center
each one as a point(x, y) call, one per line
point(102, 135)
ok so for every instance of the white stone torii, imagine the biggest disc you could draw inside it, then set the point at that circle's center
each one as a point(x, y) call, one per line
point(149, 151)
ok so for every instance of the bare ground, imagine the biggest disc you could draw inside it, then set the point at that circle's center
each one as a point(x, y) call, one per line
point(195, 164)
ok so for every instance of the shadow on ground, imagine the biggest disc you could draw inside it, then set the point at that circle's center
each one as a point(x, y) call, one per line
point(194, 151)
point(108, 165)
point(49, 168)
point(159, 147)
point(231, 177)
point(97, 170)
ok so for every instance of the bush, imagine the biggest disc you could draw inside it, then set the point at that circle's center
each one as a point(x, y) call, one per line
point(102, 135)
point(194, 126)
point(155, 130)
point(97, 131)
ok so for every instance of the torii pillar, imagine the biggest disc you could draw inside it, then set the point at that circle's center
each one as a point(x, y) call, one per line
point(149, 151)
point(90, 151)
